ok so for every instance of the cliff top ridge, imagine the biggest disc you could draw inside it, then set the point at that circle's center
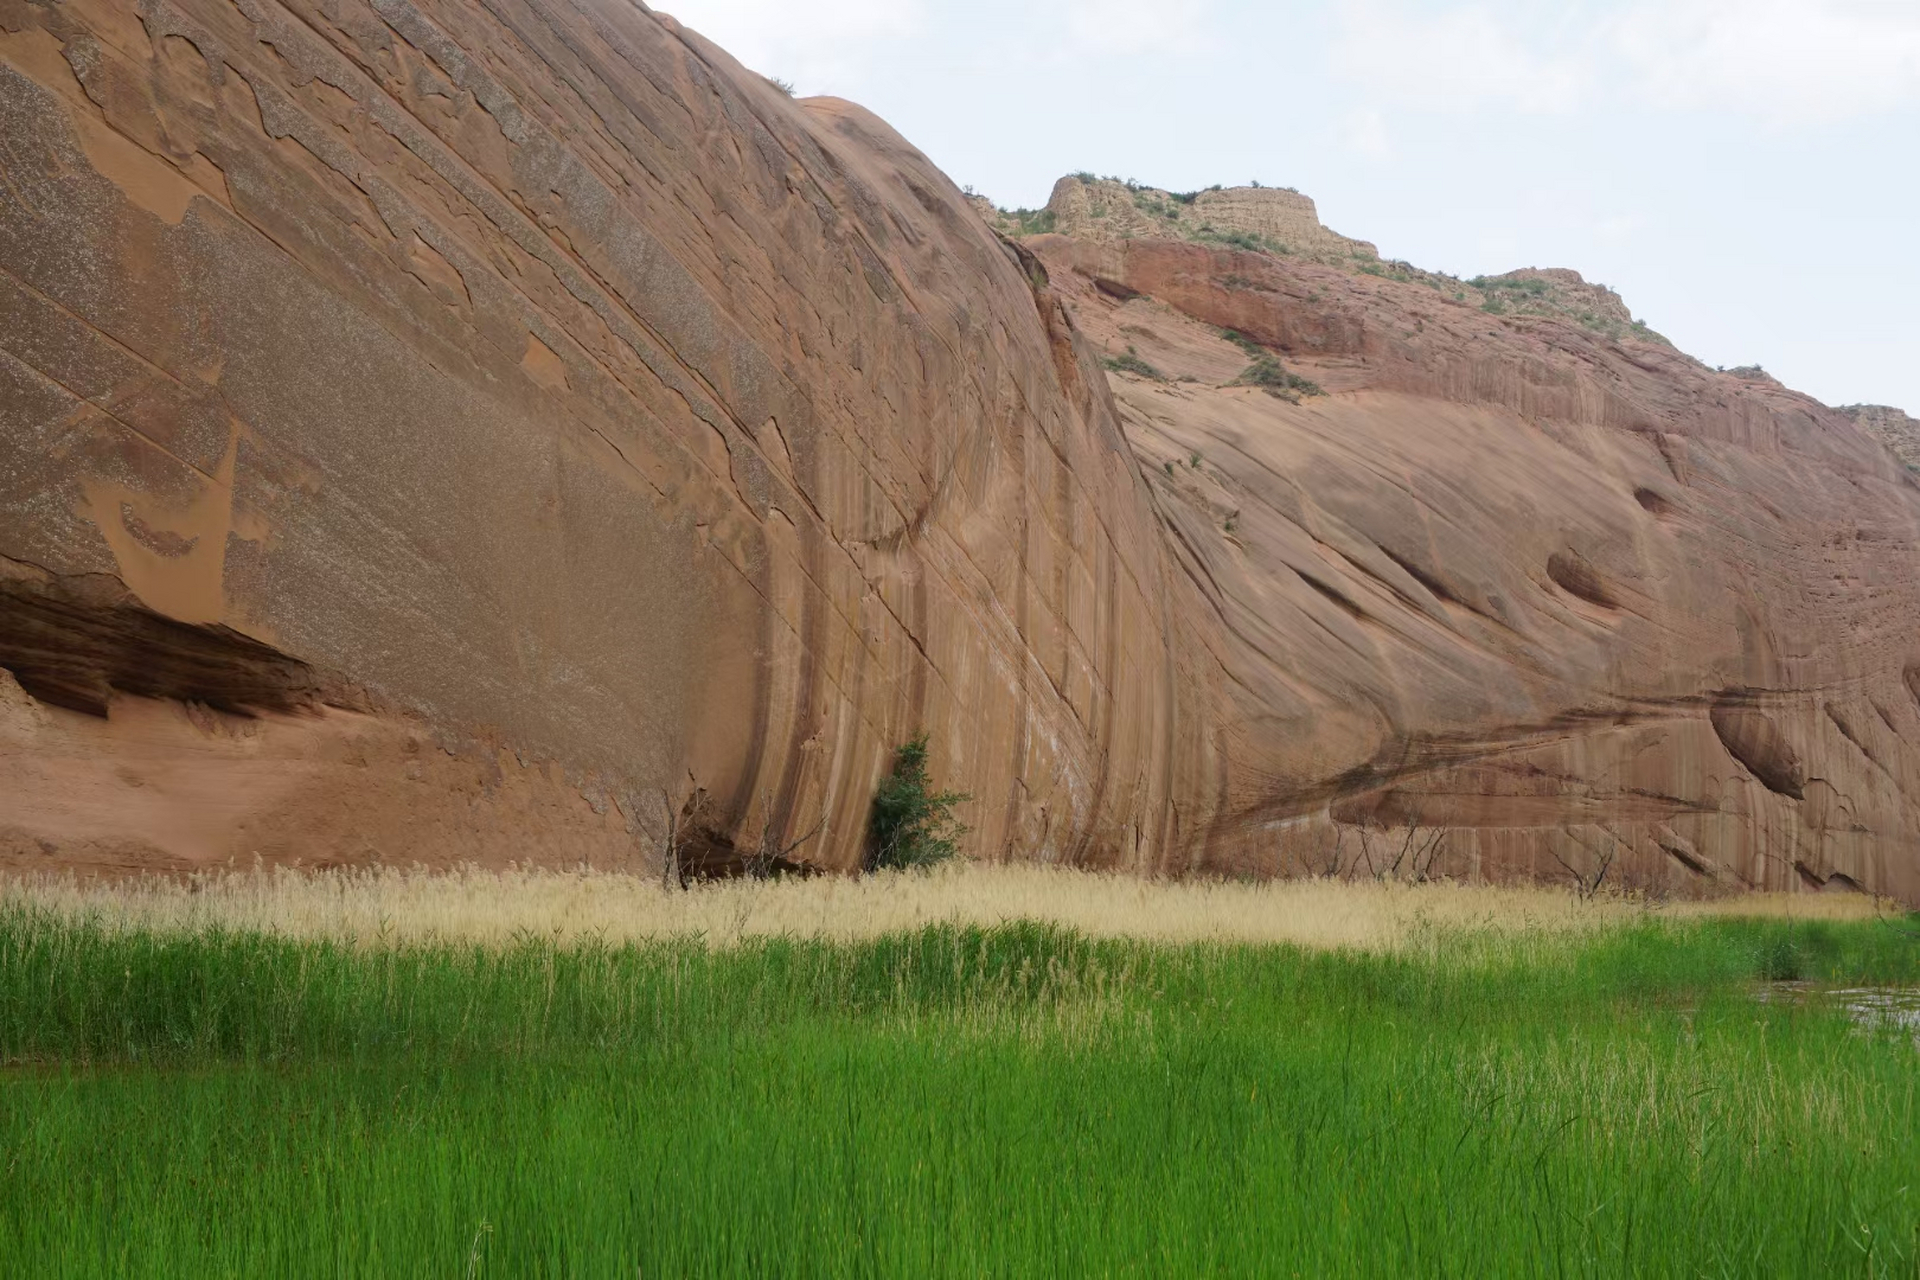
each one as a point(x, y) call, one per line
point(1893, 427)
point(1281, 222)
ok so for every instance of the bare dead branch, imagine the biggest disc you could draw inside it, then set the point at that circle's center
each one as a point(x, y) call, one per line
point(670, 849)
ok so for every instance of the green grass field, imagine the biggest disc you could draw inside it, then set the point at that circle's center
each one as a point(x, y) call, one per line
point(1016, 1100)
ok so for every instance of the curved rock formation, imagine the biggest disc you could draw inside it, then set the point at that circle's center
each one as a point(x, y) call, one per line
point(442, 431)
point(619, 428)
point(1579, 604)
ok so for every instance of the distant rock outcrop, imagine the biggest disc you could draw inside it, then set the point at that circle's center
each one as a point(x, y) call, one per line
point(1280, 222)
point(1104, 209)
point(1891, 427)
point(1559, 293)
point(438, 431)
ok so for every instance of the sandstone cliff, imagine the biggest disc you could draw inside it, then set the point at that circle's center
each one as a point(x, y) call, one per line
point(439, 432)
point(1579, 603)
point(567, 419)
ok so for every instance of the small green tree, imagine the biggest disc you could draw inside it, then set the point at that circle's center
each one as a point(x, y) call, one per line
point(912, 825)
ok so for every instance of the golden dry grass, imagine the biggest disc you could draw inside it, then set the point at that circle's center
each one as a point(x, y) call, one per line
point(376, 905)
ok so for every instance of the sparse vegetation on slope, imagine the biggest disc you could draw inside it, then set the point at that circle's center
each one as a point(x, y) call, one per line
point(1130, 362)
point(1558, 295)
point(1492, 285)
point(1272, 377)
point(1249, 241)
point(1029, 222)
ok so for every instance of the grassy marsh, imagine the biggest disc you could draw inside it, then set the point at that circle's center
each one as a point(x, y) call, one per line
point(246, 1079)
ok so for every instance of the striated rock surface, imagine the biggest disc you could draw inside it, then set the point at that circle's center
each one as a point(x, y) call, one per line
point(441, 431)
point(623, 434)
point(1549, 603)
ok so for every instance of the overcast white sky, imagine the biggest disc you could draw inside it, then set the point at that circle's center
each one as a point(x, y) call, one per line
point(1745, 172)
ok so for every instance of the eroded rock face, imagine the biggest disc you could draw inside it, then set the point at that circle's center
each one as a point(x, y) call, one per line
point(1579, 602)
point(505, 425)
point(623, 431)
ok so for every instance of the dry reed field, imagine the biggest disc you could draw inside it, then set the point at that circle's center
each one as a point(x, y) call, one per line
point(497, 908)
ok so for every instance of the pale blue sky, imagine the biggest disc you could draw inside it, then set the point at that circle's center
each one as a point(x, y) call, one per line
point(1745, 172)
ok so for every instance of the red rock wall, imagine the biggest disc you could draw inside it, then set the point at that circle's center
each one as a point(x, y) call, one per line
point(1563, 599)
point(614, 426)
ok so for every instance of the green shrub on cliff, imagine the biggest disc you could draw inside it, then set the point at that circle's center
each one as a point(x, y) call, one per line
point(913, 826)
